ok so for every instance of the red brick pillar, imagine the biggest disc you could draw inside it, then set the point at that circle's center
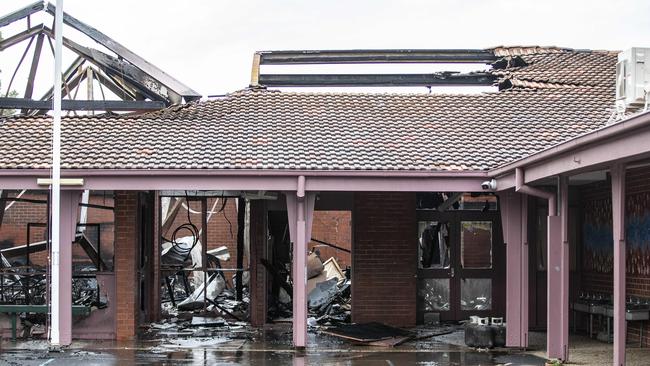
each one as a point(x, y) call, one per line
point(258, 278)
point(125, 263)
point(384, 258)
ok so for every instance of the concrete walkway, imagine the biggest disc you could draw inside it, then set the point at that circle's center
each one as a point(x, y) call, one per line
point(273, 347)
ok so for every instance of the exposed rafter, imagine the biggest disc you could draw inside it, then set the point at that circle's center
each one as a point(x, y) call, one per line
point(125, 75)
point(82, 105)
point(403, 56)
point(155, 73)
point(22, 13)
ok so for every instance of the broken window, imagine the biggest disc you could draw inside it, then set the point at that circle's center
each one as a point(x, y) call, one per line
point(24, 255)
point(476, 294)
point(433, 244)
point(476, 244)
point(199, 232)
point(433, 294)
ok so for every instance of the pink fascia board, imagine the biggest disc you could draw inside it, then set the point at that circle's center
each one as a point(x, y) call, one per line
point(342, 181)
point(18, 182)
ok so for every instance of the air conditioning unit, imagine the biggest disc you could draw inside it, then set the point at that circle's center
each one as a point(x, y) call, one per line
point(633, 77)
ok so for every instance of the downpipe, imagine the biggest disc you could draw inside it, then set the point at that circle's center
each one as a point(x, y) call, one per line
point(523, 188)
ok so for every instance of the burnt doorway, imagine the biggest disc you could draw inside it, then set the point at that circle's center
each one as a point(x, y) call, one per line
point(461, 261)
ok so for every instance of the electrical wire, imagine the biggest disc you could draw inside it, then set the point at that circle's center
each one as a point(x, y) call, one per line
point(193, 230)
point(188, 226)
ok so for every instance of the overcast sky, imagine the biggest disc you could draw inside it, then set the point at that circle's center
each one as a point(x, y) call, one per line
point(208, 45)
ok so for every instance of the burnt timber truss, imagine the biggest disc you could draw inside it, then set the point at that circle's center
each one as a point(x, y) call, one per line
point(403, 56)
point(140, 85)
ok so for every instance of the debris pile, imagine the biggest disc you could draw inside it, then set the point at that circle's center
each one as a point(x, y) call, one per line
point(85, 290)
point(189, 331)
point(208, 290)
point(329, 295)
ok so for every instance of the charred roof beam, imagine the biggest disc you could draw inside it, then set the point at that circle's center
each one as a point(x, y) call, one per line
point(346, 80)
point(82, 105)
point(22, 13)
point(19, 37)
point(162, 77)
point(148, 86)
point(377, 56)
point(400, 56)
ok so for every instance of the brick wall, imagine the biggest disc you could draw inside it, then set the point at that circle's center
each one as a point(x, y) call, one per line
point(258, 276)
point(637, 284)
point(332, 227)
point(125, 263)
point(384, 259)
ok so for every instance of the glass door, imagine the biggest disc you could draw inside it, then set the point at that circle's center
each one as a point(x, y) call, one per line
point(435, 267)
point(459, 265)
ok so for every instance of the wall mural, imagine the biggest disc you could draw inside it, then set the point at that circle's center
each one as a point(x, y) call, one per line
point(598, 250)
point(597, 234)
point(637, 234)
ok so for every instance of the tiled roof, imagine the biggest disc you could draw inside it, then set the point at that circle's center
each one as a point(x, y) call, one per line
point(260, 129)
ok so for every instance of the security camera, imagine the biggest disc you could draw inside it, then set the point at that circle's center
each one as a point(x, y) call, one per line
point(489, 185)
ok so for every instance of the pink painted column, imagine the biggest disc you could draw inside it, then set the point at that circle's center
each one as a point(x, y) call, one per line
point(565, 267)
point(556, 266)
point(618, 213)
point(69, 210)
point(300, 212)
point(514, 220)
point(557, 336)
point(554, 346)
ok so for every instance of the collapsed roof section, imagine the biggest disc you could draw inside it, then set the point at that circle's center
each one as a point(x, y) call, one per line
point(536, 67)
point(530, 67)
point(139, 84)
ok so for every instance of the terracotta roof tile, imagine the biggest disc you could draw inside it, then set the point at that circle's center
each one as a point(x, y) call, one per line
point(273, 130)
point(558, 95)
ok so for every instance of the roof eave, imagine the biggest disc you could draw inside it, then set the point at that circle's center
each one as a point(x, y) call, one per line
point(626, 127)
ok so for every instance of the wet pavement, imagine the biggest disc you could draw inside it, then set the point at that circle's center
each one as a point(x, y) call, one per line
point(269, 347)
point(214, 356)
point(272, 346)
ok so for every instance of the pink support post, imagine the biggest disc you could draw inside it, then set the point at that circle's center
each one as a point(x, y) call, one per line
point(564, 266)
point(554, 346)
point(69, 209)
point(300, 212)
point(514, 220)
point(300, 280)
point(618, 213)
point(557, 264)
